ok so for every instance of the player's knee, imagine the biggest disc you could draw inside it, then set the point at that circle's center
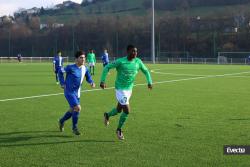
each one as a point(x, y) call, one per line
point(126, 111)
point(119, 108)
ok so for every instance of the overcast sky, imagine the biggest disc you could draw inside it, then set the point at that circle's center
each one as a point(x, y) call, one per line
point(8, 7)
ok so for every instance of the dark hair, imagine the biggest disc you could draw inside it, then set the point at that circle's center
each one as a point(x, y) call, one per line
point(79, 53)
point(58, 51)
point(130, 47)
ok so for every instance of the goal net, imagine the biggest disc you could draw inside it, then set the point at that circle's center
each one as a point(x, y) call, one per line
point(232, 57)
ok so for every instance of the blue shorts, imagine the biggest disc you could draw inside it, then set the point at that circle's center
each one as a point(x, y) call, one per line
point(72, 99)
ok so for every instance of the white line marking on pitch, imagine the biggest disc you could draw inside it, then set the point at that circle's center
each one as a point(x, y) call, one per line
point(191, 75)
point(160, 82)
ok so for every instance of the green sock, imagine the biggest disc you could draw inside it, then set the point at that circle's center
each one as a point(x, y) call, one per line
point(113, 112)
point(122, 120)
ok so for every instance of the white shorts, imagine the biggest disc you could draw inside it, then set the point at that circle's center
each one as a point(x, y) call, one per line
point(91, 64)
point(123, 96)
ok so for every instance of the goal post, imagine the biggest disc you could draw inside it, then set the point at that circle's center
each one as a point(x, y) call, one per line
point(233, 57)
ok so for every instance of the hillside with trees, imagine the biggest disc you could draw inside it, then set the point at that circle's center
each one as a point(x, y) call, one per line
point(199, 27)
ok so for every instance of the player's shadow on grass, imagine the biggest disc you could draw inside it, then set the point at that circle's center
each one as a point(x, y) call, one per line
point(26, 132)
point(11, 139)
point(53, 143)
point(239, 119)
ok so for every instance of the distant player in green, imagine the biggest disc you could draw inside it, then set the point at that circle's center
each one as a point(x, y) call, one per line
point(127, 69)
point(91, 61)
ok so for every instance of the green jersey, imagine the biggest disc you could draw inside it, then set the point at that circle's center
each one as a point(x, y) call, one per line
point(126, 72)
point(91, 58)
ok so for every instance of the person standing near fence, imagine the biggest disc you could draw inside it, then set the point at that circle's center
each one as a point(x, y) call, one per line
point(57, 64)
point(19, 57)
point(91, 61)
point(105, 57)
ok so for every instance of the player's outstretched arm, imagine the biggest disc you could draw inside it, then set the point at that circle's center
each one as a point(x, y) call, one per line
point(61, 76)
point(146, 72)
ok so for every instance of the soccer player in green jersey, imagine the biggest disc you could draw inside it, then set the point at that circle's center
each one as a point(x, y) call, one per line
point(91, 61)
point(127, 69)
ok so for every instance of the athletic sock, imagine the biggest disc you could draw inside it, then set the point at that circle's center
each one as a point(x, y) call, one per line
point(66, 116)
point(122, 120)
point(56, 77)
point(75, 116)
point(113, 112)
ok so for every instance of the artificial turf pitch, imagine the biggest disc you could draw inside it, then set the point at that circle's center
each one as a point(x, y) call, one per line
point(191, 113)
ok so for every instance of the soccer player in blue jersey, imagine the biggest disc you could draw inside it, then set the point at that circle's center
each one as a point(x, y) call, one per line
point(105, 57)
point(19, 57)
point(75, 74)
point(57, 64)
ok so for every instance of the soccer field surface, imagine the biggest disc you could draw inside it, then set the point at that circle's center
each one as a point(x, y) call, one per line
point(191, 113)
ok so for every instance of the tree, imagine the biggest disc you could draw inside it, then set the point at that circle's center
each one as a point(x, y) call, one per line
point(34, 23)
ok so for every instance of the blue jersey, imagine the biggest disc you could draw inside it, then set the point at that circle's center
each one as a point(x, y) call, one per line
point(58, 61)
point(74, 79)
point(105, 58)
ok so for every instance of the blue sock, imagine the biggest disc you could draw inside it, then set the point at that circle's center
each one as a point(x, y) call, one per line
point(56, 77)
point(75, 116)
point(66, 116)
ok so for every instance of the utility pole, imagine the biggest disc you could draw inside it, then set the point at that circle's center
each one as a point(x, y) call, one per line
point(9, 42)
point(153, 32)
point(73, 41)
point(214, 43)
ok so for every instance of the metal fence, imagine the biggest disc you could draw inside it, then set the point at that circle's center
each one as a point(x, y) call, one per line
point(162, 60)
point(30, 59)
point(170, 60)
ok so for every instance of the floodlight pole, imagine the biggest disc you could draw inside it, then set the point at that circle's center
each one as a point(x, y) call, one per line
point(73, 41)
point(153, 32)
point(9, 42)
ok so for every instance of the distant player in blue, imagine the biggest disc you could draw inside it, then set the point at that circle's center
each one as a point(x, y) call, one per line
point(249, 59)
point(57, 64)
point(19, 57)
point(105, 57)
point(75, 74)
